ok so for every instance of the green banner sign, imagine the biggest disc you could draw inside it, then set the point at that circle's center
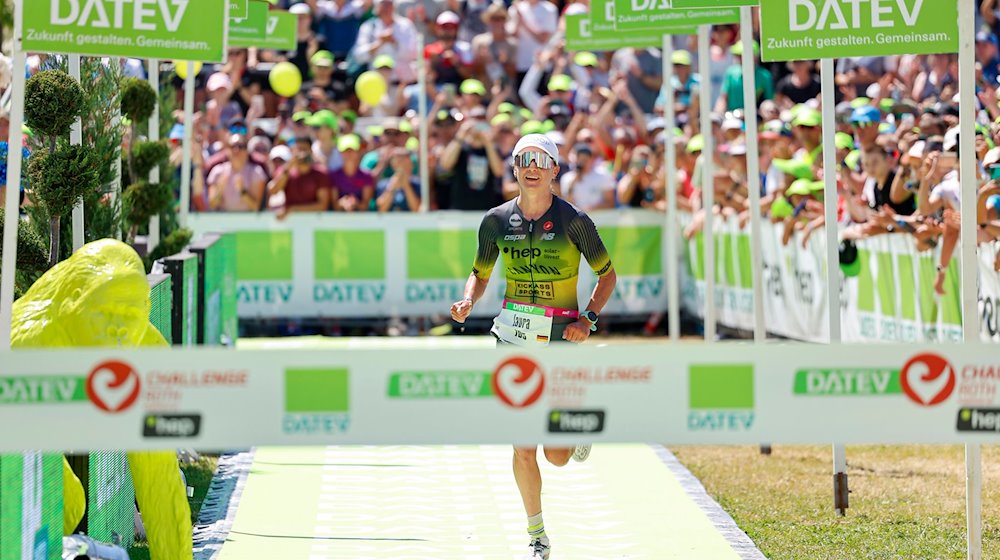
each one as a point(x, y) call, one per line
point(239, 9)
point(582, 35)
point(657, 14)
point(252, 31)
point(677, 4)
point(810, 29)
point(281, 32)
point(602, 30)
point(180, 29)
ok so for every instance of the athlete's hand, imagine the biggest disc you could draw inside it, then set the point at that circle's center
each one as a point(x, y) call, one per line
point(577, 332)
point(460, 310)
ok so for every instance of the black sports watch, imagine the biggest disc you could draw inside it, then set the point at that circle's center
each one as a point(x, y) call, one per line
point(591, 317)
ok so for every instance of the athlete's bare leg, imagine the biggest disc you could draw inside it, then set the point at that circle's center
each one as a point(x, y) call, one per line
point(529, 478)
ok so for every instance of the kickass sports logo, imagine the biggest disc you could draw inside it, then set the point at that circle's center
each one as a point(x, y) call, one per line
point(519, 382)
point(317, 401)
point(576, 421)
point(171, 425)
point(113, 386)
point(927, 379)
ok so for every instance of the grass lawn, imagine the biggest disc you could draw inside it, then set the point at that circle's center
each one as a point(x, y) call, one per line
point(906, 502)
point(199, 475)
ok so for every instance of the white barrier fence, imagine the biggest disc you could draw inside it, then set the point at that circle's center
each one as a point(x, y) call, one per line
point(727, 394)
point(891, 300)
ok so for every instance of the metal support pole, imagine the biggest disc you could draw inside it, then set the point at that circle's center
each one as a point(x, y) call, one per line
point(840, 488)
point(76, 139)
point(753, 170)
point(188, 135)
point(707, 177)
point(425, 174)
point(970, 307)
point(154, 136)
point(13, 197)
point(670, 180)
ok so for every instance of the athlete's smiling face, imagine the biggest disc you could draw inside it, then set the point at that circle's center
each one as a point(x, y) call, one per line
point(532, 175)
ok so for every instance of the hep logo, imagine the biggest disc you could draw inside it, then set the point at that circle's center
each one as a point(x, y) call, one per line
point(113, 386)
point(927, 379)
point(519, 382)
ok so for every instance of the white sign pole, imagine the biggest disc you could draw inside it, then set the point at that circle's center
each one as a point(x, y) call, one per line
point(13, 198)
point(425, 182)
point(832, 257)
point(154, 136)
point(76, 139)
point(707, 176)
point(188, 134)
point(753, 170)
point(970, 306)
point(670, 230)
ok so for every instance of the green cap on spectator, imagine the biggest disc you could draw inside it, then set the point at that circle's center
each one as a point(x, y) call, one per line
point(323, 118)
point(405, 126)
point(843, 141)
point(375, 130)
point(322, 58)
point(818, 189)
point(853, 159)
point(696, 144)
point(472, 87)
point(887, 105)
point(585, 59)
point(383, 61)
point(27, 131)
point(798, 168)
point(412, 144)
point(349, 116)
point(781, 208)
point(681, 57)
point(531, 127)
point(886, 128)
point(349, 142)
point(678, 133)
point(861, 102)
point(560, 82)
point(548, 126)
point(506, 107)
point(500, 119)
point(801, 187)
point(808, 117)
point(301, 116)
point(526, 114)
point(737, 48)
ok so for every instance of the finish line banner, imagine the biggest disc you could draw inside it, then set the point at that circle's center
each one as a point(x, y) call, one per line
point(681, 394)
point(348, 265)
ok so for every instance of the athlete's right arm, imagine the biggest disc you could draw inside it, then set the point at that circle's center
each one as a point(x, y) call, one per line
point(486, 257)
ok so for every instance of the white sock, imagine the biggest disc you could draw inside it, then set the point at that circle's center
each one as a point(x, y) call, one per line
point(536, 527)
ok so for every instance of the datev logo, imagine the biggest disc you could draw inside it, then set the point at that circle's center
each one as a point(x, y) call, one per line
point(720, 397)
point(317, 401)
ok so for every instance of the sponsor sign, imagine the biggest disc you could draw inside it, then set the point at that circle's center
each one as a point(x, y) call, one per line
point(317, 402)
point(712, 3)
point(281, 32)
point(721, 398)
point(238, 9)
point(583, 35)
point(564, 421)
point(847, 382)
point(48, 389)
point(251, 30)
point(519, 381)
point(178, 29)
point(171, 425)
point(113, 386)
point(978, 420)
point(659, 14)
point(440, 384)
point(810, 29)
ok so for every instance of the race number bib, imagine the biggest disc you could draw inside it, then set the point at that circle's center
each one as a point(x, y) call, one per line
point(524, 324)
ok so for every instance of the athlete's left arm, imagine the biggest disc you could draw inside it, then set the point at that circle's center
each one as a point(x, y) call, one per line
point(583, 234)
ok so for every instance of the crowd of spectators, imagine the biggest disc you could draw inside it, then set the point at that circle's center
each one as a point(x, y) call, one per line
point(495, 71)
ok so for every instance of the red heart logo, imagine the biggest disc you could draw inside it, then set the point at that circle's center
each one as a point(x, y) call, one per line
point(113, 386)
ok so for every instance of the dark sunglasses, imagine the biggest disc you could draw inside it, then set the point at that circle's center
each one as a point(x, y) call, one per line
point(542, 161)
point(239, 146)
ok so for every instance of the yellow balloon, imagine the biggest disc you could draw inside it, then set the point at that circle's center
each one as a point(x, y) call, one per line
point(182, 67)
point(285, 78)
point(370, 87)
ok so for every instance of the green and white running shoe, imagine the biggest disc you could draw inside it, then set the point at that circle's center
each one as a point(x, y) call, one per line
point(581, 453)
point(539, 549)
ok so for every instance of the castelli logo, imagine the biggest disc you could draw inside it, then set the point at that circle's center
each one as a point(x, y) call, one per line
point(518, 381)
point(927, 379)
point(547, 226)
point(113, 386)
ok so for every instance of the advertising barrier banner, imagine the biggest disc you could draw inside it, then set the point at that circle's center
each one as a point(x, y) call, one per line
point(720, 394)
point(251, 30)
point(180, 29)
point(658, 14)
point(325, 265)
point(810, 29)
